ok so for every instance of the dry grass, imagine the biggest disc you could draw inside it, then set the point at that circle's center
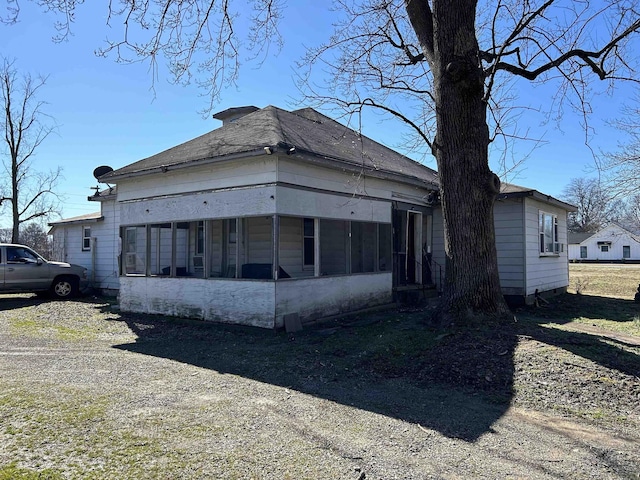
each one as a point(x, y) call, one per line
point(604, 280)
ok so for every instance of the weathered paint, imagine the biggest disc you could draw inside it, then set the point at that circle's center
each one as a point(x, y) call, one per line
point(239, 173)
point(246, 302)
point(307, 203)
point(256, 303)
point(313, 298)
point(199, 206)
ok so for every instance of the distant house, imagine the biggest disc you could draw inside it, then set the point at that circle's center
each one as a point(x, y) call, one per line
point(613, 243)
point(279, 214)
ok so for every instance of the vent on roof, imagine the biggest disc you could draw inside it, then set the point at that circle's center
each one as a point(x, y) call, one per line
point(232, 114)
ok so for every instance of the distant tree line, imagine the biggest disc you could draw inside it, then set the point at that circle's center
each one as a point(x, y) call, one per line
point(599, 204)
point(33, 235)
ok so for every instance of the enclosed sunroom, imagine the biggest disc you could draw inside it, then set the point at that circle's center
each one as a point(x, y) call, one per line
point(256, 269)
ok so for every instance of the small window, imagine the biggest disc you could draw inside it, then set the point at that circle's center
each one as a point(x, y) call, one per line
point(604, 248)
point(86, 239)
point(583, 252)
point(626, 251)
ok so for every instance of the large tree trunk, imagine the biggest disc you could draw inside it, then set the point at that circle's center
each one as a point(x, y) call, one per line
point(468, 188)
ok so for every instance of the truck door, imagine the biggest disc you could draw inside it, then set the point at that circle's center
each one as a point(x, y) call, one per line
point(24, 270)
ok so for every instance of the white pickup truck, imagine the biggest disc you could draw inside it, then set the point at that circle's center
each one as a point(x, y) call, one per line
point(22, 270)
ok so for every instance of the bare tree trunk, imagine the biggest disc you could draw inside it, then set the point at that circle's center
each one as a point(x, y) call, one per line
point(468, 187)
point(15, 212)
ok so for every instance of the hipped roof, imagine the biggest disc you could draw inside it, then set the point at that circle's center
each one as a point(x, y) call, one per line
point(310, 132)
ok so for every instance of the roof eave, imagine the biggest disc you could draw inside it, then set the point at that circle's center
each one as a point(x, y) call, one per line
point(80, 221)
point(541, 197)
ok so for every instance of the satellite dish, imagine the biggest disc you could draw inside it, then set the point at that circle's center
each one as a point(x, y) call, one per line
point(102, 170)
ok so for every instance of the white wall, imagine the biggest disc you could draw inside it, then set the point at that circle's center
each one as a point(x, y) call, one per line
point(545, 273)
point(346, 182)
point(246, 302)
point(102, 260)
point(618, 237)
point(510, 245)
point(251, 302)
point(241, 172)
point(521, 268)
point(319, 297)
point(107, 246)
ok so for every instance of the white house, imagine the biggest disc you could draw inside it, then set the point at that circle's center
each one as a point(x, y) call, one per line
point(280, 213)
point(613, 243)
point(92, 241)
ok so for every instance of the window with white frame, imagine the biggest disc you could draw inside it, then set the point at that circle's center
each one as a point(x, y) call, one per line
point(86, 239)
point(626, 251)
point(548, 231)
point(583, 251)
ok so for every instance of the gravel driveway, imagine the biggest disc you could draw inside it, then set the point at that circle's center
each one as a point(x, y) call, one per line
point(87, 392)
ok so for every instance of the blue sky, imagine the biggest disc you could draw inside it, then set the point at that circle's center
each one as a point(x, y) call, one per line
point(107, 113)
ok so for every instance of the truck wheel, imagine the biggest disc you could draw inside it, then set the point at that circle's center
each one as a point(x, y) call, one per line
point(64, 287)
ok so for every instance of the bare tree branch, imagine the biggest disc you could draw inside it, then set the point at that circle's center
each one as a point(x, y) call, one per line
point(30, 193)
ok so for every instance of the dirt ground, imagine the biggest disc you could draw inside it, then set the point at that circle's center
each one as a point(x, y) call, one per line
point(89, 392)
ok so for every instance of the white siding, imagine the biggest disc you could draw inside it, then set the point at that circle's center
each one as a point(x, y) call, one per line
point(522, 270)
point(545, 273)
point(227, 301)
point(290, 253)
point(252, 171)
point(259, 243)
point(102, 260)
point(509, 230)
point(257, 303)
point(618, 238)
point(222, 204)
point(319, 297)
point(107, 247)
point(349, 183)
point(307, 203)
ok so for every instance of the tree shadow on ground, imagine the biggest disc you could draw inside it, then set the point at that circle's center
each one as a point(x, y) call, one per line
point(604, 348)
point(569, 306)
point(374, 363)
point(457, 382)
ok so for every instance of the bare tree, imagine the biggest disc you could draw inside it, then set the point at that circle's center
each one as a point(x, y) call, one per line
point(622, 166)
point(437, 65)
point(30, 193)
point(596, 205)
point(445, 71)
